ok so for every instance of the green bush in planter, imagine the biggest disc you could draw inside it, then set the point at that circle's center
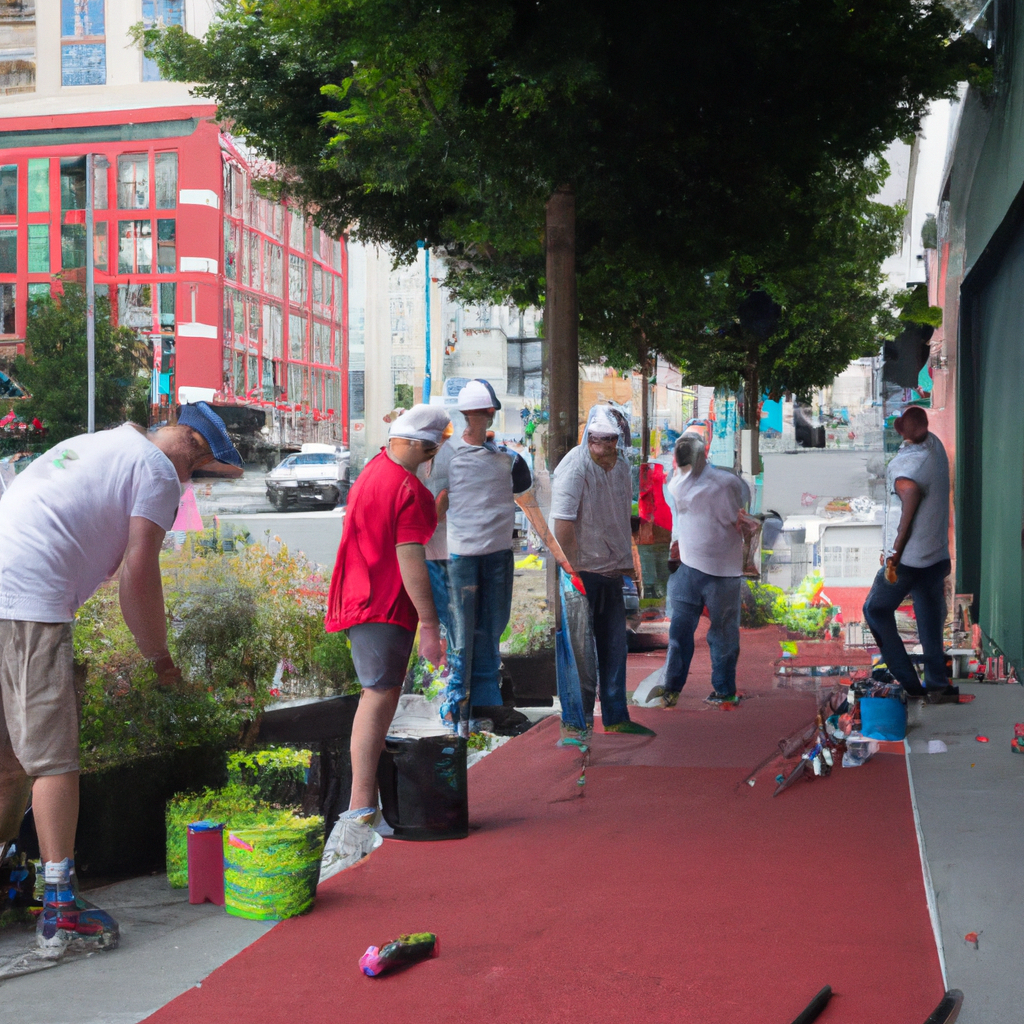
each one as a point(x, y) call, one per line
point(278, 775)
point(235, 805)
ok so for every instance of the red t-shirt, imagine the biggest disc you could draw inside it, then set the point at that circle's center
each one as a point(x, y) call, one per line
point(386, 506)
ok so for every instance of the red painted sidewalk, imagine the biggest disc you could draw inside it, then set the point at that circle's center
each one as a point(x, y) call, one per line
point(662, 890)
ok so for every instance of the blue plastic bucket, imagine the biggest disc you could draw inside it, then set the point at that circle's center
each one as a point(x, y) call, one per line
point(883, 718)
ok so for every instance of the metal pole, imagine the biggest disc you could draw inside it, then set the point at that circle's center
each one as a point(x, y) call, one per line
point(561, 324)
point(90, 296)
point(426, 289)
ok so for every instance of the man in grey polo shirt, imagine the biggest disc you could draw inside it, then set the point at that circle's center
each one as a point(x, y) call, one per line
point(917, 562)
point(591, 502)
point(477, 499)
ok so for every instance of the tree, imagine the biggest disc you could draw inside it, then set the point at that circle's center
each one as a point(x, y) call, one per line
point(54, 370)
point(682, 135)
point(783, 318)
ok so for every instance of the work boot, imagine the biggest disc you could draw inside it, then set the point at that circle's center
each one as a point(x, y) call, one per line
point(721, 698)
point(69, 923)
point(505, 721)
point(942, 695)
point(631, 728)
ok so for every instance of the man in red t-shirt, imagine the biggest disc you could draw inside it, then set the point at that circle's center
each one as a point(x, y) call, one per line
point(380, 588)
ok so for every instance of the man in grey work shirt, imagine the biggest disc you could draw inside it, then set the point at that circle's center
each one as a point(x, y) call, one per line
point(591, 502)
point(917, 558)
point(476, 484)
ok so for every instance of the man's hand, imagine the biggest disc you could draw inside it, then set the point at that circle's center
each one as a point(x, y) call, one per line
point(673, 552)
point(167, 673)
point(430, 642)
point(891, 564)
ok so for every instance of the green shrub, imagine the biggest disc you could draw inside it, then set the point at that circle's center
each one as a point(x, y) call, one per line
point(277, 775)
point(332, 656)
point(533, 633)
point(762, 605)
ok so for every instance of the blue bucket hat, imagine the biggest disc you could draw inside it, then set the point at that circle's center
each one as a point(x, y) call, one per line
point(201, 418)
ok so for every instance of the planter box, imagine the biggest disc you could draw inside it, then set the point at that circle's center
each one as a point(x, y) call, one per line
point(533, 678)
point(121, 828)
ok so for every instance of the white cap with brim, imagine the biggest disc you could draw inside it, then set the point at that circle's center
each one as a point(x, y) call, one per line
point(602, 422)
point(477, 394)
point(421, 423)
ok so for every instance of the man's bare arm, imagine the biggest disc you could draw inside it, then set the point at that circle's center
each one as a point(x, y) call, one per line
point(910, 498)
point(565, 534)
point(141, 594)
point(527, 501)
point(412, 562)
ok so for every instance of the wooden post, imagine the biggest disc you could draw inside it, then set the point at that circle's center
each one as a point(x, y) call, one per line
point(561, 324)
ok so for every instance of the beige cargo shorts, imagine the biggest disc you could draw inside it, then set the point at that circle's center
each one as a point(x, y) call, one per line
point(38, 706)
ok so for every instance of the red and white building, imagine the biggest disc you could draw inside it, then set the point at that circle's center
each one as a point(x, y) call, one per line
point(237, 295)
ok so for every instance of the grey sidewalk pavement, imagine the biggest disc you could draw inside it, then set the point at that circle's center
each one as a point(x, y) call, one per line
point(970, 802)
point(167, 946)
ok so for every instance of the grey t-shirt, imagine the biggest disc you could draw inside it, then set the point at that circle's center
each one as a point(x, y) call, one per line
point(704, 516)
point(927, 465)
point(599, 502)
point(482, 481)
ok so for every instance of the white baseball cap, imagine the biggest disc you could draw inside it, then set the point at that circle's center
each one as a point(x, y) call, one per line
point(602, 421)
point(478, 394)
point(422, 423)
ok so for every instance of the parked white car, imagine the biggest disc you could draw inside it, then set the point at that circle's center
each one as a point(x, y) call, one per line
point(317, 476)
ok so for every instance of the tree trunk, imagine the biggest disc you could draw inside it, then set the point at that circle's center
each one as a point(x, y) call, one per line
point(752, 403)
point(561, 324)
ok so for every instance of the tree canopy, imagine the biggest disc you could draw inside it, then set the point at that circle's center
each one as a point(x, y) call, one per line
point(698, 139)
point(54, 370)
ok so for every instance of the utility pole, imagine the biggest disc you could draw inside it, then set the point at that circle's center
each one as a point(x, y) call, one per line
point(561, 324)
point(426, 293)
point(90, 295)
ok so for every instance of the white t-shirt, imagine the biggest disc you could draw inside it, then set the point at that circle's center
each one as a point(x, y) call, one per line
point(434, 476)
point(927, 465)
point(704, 513)
point(599, 501)
point(64, 520)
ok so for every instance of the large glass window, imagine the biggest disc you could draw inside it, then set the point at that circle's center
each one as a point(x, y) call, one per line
point(9, 190)
point(298, 276)
point(254, 319)
point(239, 316)
point(72, 246)
point(321, 342)
point(296, 337)
point(297, 231)
point(133, 181)
point(38, 290)
point(72, 183)
point(166, 173)
point(135, 247)
point(165, 260)
point(159, 14)
point(135, 306)
point(99, 245)
point(100, 177)
point(38, 185)
point(7, 307)
point(39, 248)
point(165, 297)
point(272, 322)
point(83, 49)
point(295, 385)
point(272, 269)
point(254, 260)
point(230, 250)
point(9, 252)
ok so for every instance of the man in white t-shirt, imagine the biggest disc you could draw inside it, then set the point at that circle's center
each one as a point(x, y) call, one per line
point(478, 482)
point(707, 544)
point(917, 558)
point(90, 505)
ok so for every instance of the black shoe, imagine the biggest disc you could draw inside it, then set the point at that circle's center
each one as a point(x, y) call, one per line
point(947, 695)
point(721, 698)
point(507, 721)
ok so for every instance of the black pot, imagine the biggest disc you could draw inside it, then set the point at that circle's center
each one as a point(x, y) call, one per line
point(533, 678)
point(121, 827)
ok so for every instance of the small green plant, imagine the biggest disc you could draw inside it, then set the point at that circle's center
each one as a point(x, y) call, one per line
point(531, 634)
point(426, 678)
point(333, 657)
point(236, 806)
point(478, 741)
point(763, 605)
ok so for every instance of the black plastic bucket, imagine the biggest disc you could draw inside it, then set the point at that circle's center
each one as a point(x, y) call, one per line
point(423, 787)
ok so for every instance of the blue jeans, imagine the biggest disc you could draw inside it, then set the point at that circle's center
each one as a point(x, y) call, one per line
point(608, 617)
point(689, 591)
point(480, 604)
point(927, 589)
point(438, 572)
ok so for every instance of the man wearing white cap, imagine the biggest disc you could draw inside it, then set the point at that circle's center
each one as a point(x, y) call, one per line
point(483, 479)
point(380, 588)
point(591, 503)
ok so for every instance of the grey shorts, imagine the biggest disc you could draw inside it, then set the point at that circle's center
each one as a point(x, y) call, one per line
point(380, 652)
point(38, 705)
